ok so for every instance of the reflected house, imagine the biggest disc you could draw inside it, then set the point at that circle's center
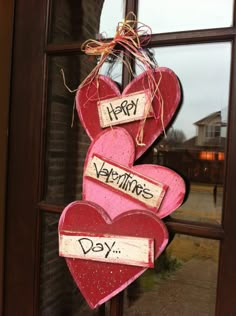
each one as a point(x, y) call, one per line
point(200, 158)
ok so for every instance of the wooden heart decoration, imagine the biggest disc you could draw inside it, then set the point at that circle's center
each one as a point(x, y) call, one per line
point(111, 181)
point(168, 94)
point(100, 281)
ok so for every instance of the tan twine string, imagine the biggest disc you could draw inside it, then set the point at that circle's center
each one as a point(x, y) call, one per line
point(71, 91)
point(130, 35)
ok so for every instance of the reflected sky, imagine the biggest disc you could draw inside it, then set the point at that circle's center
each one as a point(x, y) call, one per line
point(112, 14)
point(203, 69)
point(204, 73)
point(170, 16)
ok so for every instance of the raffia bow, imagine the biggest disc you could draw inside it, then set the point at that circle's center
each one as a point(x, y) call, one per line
point(131, 35)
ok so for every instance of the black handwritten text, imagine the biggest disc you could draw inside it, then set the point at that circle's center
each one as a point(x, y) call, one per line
point(124, 109)
point(124, 181)
point(88, 246)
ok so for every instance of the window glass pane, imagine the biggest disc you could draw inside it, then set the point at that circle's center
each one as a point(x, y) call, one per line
point(113, 68)
point(59, 294)
point(182, 15)
point(74, 20)
point(112, 14)
point(195, 142)
point(183, 282)
point(67, 146)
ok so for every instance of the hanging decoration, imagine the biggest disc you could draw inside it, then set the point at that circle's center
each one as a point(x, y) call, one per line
point(115, 233)
point(146, 105)
point(107, 249)
point(111, 181)
point(143, 113)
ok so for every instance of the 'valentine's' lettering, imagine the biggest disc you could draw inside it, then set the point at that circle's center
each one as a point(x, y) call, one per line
point(136, 186)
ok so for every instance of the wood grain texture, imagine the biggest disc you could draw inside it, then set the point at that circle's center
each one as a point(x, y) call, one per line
point(24, 158)
point(6, 26)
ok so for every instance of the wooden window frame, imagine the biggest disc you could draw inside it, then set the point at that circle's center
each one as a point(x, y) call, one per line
point(6, 26)
point(26, 161)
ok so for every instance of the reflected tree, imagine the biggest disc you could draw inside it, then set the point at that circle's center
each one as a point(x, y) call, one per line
point(174, 137)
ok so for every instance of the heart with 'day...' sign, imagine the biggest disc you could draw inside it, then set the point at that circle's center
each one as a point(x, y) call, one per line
point(90, 101)
point(100, 280)
point(111, 181)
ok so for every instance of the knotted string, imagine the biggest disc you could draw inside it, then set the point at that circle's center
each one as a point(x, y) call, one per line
point(131, 35)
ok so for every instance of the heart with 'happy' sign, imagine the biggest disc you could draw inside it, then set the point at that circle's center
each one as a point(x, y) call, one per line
point(112, 181)
point(144, 109)
point(103, 255)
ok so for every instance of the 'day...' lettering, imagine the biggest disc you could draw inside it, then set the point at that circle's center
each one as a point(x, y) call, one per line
point(87, 245)
point(137, 251)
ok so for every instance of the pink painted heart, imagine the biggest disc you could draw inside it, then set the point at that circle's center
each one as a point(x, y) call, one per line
point(109, 169)
point(168, 94)
point(100, 281)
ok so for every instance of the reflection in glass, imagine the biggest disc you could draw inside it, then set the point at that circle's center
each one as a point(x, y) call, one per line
point(182, 15)
point(66, 145)
point(195, 142)
point(59, 294)
point(113, 68)
point(183, 282)
point(112, 14)
point(74, 20)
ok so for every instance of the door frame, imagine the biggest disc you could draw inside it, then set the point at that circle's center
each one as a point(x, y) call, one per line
point(6, 27)
point(23, 187)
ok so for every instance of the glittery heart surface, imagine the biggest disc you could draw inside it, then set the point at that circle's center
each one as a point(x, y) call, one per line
point(100, 281)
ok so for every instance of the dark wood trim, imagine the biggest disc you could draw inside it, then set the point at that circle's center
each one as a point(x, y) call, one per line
point(227, 276)
point(197, 229)
point(24, 156)
point(102, 310)
point(6, 27)
point(43, 161)
point(45, 206)
point(131, 6)
point(64, 48)
point(37, 260)
point(226, 288)
point(193, 37)
point(48, 21)
point(177, 38)
point(116, 305)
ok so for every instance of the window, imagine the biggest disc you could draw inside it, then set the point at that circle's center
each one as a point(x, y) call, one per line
point(212, 131)
point(46, 174)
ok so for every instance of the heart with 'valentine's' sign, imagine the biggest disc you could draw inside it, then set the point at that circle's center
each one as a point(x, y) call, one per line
point(144, 108)
point(112, 181)
point(105, 255)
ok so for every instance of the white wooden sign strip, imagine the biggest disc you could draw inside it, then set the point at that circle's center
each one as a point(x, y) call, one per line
point(123, 109)
point(143, 189)
point(135, 251)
